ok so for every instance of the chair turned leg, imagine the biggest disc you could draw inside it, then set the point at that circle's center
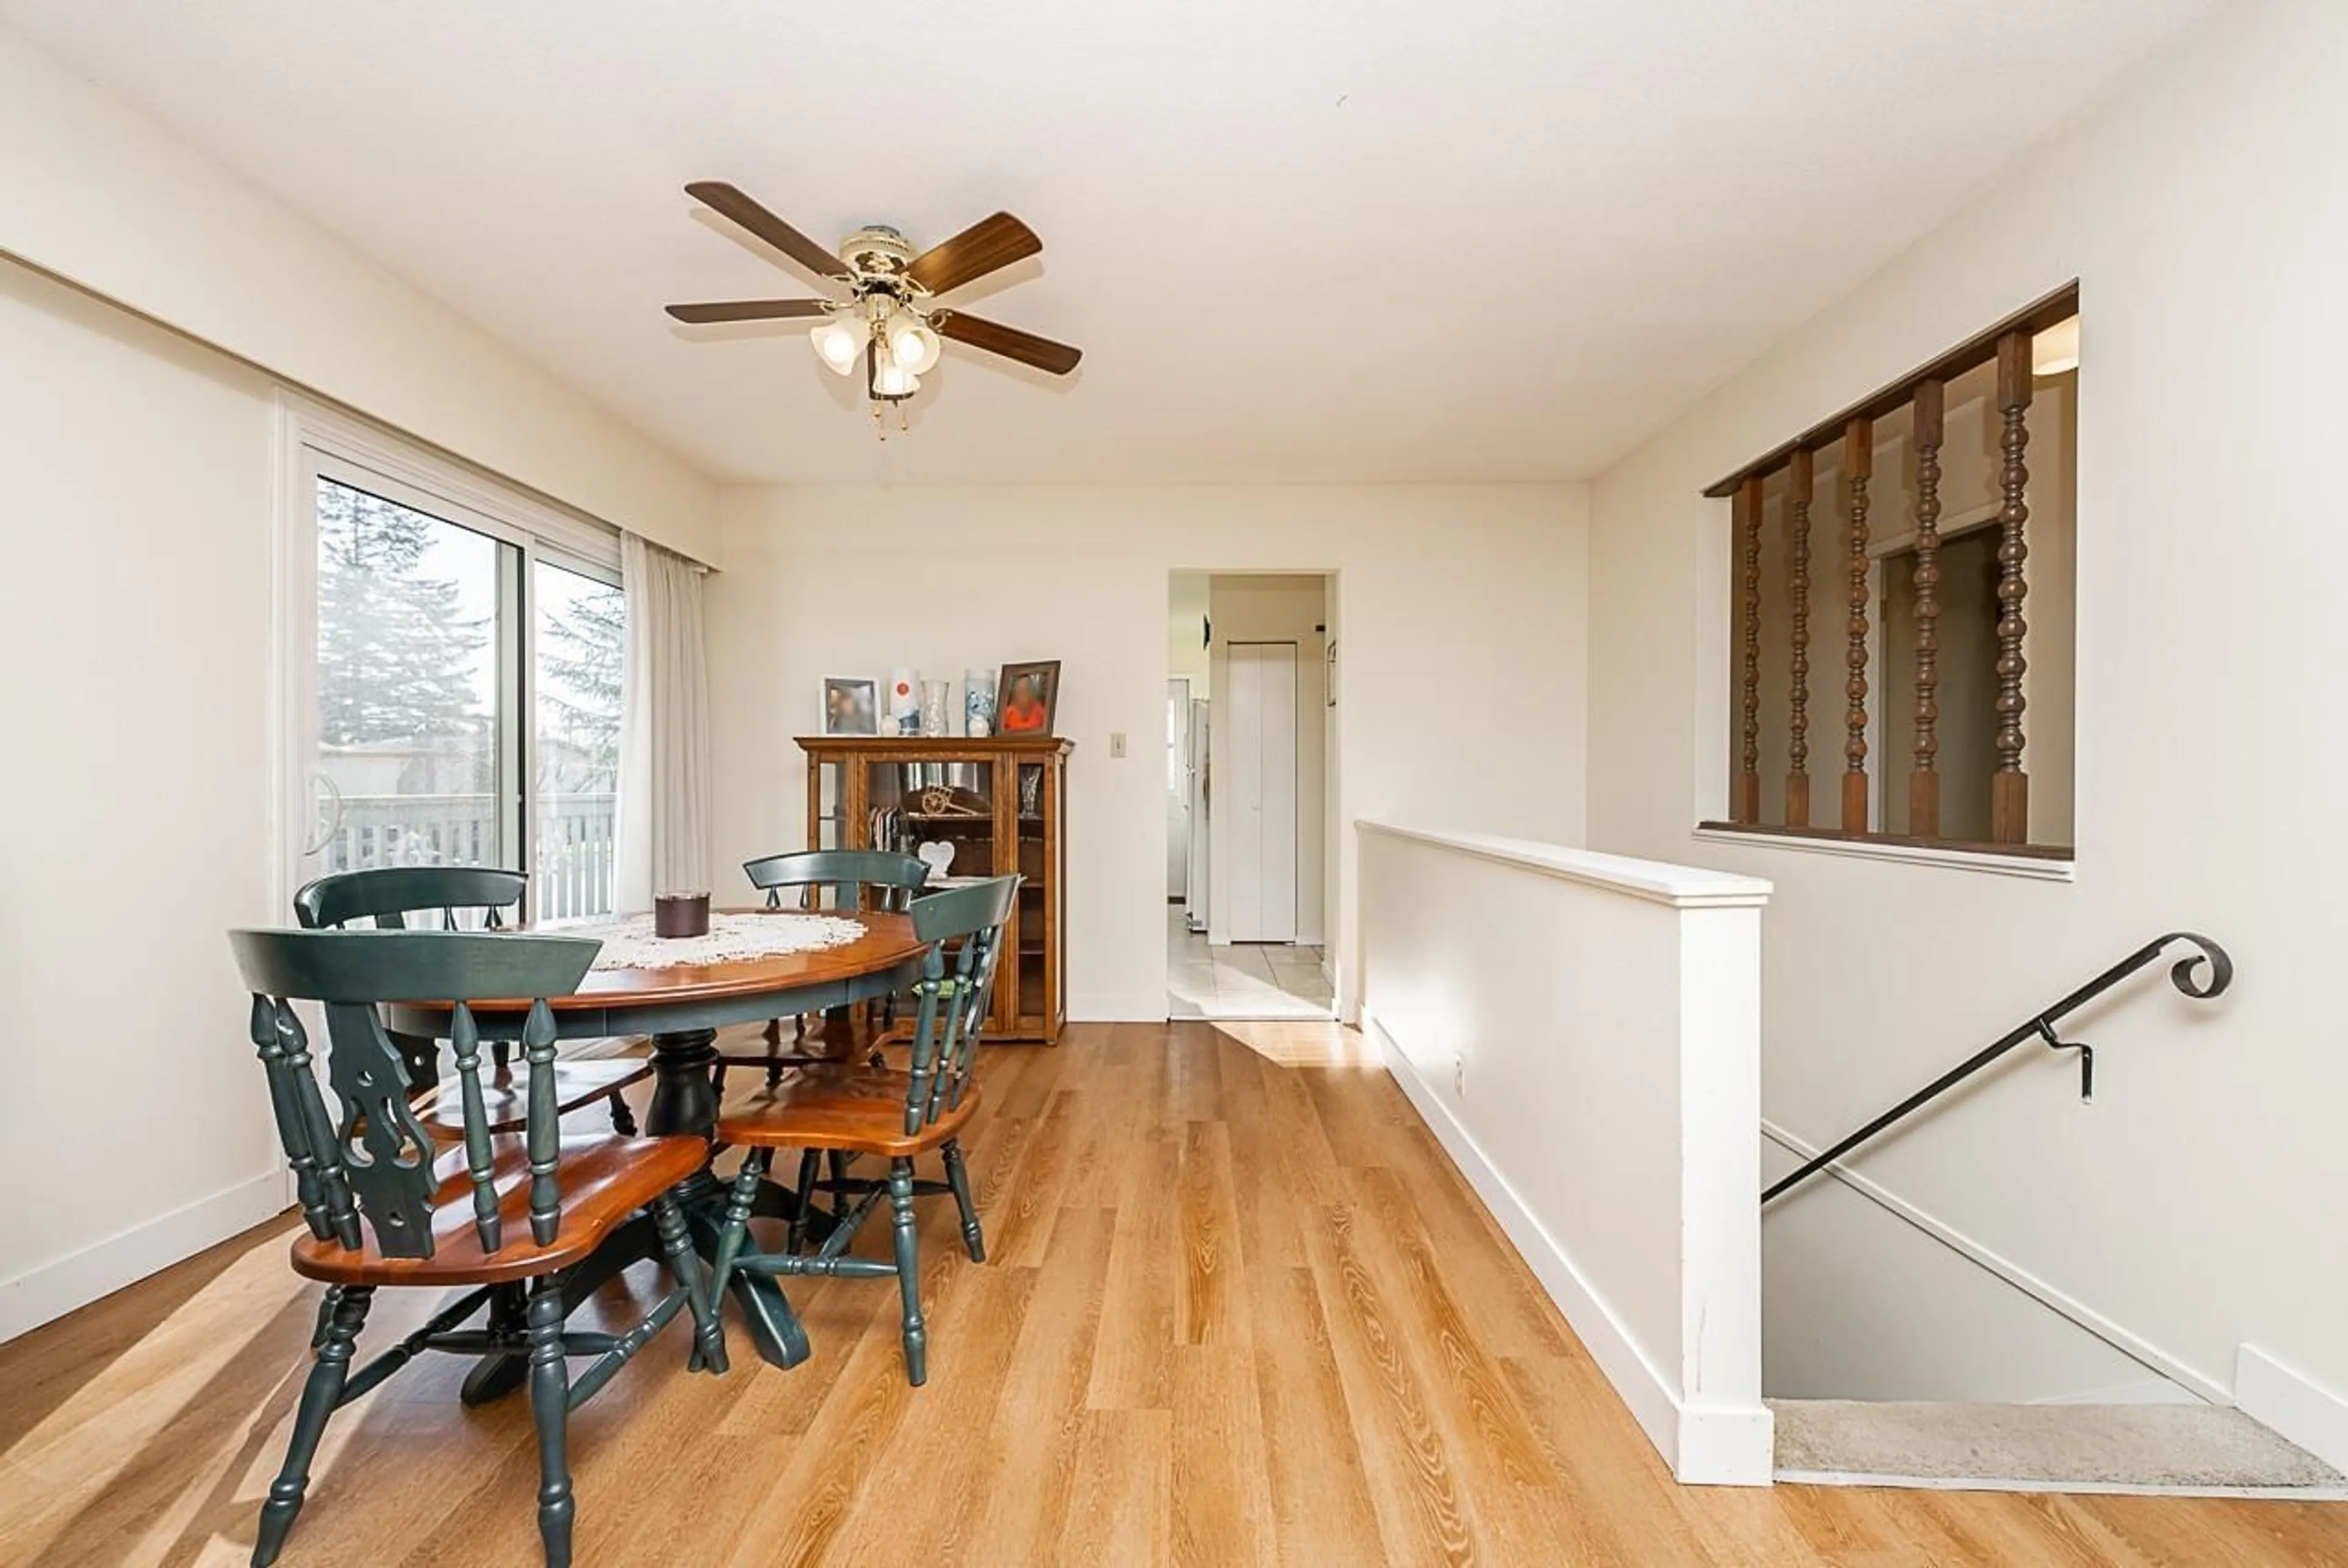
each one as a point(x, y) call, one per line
point(347, 1314)
point(773, 1053)
point(973, 1240)
point(684, 1264)
point(735, 1228)
point(623, 1120)
point(908, 1272)
point(805, 1211)
point(326, 1317)
point(549, 1410)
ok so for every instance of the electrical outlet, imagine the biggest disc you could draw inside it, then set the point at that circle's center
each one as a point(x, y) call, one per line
point(1117, 744)
point(1458, 1075)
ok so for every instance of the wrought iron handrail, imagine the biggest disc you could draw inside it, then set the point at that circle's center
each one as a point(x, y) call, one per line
point(2041, 1026)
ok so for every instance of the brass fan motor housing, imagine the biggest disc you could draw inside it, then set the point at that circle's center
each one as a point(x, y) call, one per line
point(877, 253)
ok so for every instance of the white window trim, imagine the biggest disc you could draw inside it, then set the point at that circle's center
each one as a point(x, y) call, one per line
point(306, 422)
point(308, 431)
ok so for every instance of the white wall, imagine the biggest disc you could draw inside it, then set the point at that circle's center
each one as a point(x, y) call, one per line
point(1462, 608)
point(97, 194)
point(2196, 1202)
point(1276, 608)
point(137, 474)
point(1612, 1127)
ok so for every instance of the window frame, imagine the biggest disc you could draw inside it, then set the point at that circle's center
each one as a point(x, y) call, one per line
point(316, 441)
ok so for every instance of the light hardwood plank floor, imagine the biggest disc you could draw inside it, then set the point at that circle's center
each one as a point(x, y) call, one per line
point(1240, 1310)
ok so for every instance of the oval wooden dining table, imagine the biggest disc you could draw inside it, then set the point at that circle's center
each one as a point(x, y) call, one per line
point(681, 1007)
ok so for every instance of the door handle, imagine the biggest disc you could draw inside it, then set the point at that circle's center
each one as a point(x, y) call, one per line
point(334, 817)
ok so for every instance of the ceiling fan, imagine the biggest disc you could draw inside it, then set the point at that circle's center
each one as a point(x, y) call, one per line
point(889, 326)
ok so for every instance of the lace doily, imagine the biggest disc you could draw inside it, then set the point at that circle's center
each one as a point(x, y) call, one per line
point(629, 943)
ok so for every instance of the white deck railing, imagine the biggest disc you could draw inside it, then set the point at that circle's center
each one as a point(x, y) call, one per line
point(573, 871)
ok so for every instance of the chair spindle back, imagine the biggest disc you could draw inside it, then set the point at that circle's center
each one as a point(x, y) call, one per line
point(388, 895)
point(954, 992)
point(894, 879)
point(376, 1164)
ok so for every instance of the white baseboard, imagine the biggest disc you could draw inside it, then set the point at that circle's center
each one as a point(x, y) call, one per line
point(56, 1289)
point(2127, 1343)
point(1704, 1445)
point(1117, 1007)
point(2302, 1410)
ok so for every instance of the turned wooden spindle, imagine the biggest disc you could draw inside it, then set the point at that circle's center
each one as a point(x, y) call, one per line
point(1798, 697)
point(1746, 808)
point(1925, 782)
point(2009, 789)
point(1858, 464)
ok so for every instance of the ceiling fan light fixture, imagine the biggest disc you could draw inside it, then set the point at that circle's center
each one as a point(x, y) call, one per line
point(839, 342)
point(892, 380)
point(911, 343)
point(882, 329)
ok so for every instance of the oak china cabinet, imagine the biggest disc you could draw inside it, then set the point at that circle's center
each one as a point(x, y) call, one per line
point(997, 806)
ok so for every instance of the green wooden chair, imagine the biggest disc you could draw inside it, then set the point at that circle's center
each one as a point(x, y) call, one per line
point(499, 1212)
point(388, 896)
point(891, 1115)
point(889, 881)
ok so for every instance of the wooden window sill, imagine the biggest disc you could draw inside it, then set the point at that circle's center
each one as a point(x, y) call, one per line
point(2044, 863)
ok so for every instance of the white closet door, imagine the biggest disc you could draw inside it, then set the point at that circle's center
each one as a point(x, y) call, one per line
point(1240, 797)
point(1276, 677)
point(1261, 792)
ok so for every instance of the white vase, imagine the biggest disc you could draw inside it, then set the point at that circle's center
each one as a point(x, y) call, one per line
point(978, 703)
point(905, 702)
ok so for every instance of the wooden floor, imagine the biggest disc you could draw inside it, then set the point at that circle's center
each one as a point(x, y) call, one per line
point(1238, 1310)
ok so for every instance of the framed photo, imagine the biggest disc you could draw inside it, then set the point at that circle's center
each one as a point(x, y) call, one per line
point(1027, 698)
point(851, 705)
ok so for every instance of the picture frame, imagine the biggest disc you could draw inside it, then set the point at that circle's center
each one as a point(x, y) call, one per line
point(850, 705)
point(1027, 698)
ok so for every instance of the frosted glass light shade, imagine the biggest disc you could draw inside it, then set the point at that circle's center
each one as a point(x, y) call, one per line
point(839, 342)
point(911, 343)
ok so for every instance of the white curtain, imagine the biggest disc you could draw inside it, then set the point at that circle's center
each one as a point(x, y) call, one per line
point(663, 806)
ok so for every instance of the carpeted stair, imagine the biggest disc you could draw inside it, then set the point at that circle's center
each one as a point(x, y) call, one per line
point(2193, 1448)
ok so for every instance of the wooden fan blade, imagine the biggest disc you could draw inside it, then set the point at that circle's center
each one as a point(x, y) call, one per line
point(749, 310)
point(1042, 353)
point(986, 246)
point(726, 201)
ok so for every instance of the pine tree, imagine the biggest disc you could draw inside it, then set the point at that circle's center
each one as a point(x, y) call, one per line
point(580, 657)
point(397, 659)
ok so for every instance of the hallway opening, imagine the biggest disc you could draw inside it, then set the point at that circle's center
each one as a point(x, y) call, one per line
point(1250, 782)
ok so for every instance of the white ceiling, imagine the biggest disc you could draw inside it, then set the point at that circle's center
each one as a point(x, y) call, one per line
point(1298, 240)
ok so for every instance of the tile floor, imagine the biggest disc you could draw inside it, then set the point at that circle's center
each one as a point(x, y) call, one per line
point(1245, 981)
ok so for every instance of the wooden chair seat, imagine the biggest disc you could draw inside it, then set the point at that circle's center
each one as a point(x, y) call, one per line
point(606, 1179)
point(505, 1094)
point(855, 1109)
point(837, 1112)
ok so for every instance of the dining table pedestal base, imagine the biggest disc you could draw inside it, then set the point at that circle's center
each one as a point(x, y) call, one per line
point(685, 1105)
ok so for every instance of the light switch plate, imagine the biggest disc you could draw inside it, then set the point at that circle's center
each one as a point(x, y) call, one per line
point(1117, 744)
